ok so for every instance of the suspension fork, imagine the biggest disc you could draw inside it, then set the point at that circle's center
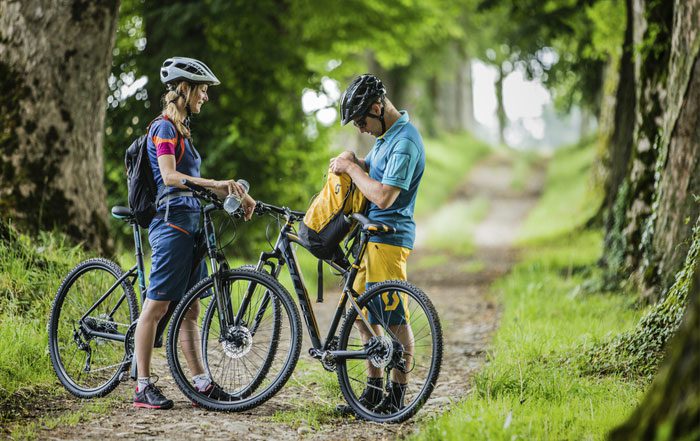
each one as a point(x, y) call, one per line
point(218, 266)
point(265, 259)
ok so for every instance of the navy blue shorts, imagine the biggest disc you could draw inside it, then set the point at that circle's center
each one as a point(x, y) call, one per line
point(172, 245)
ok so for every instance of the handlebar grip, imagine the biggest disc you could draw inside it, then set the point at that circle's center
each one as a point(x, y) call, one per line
point(192, 185)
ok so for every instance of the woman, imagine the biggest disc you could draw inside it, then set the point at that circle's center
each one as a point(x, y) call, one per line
point(172, 231)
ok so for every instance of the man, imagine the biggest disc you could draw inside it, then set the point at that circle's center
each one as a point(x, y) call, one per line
point(395, 166)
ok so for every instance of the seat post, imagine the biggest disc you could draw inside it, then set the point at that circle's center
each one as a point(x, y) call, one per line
point(355, 266)
point(139, 260)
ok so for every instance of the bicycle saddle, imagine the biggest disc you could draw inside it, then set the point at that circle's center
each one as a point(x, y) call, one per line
point(369, 227)
point(122, 213)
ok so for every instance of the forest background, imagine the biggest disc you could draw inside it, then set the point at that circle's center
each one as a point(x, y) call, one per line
point(72, 77)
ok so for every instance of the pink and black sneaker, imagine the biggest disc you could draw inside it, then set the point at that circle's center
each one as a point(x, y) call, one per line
point(152, 398)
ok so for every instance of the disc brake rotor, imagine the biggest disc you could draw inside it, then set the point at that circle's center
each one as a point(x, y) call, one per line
point(238, 342)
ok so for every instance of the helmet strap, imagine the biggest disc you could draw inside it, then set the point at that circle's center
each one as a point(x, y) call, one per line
point(380, 117)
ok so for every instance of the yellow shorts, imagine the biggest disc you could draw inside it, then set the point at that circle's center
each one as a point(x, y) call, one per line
point(383, 262)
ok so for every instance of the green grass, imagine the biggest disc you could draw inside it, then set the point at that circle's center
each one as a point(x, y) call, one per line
point(428, 262)
point(30, 273)
point(528, 389)
point(523, 168)
point(451, 228)
point(86, 411)
point(570, 198)
point(448, 161)
point(314, 381)
point(532, 386)
point(473, 266)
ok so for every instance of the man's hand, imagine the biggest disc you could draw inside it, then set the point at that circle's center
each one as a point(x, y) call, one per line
point(347, 154)
point(341, 164)
point(248, 205)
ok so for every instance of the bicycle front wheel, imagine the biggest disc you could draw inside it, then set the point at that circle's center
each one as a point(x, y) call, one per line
point(87, 328)
point(405, 352)
point(248, 361)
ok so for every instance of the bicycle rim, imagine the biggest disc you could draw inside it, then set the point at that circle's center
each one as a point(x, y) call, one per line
point(407, 350)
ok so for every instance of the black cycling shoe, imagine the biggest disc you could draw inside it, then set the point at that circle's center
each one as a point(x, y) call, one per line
point(215, 392)
point(370, 397)
point(394, 399)
point(152, 398)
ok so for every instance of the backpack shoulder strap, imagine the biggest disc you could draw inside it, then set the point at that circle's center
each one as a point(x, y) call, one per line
point(179, 140)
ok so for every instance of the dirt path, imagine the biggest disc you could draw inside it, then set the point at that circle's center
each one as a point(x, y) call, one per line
point(468, 313)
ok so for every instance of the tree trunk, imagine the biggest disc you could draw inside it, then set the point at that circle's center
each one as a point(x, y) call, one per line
point(678, 184)
point(55, 58)
point(584, 129)
point(500, 109)
point(671, 408)
point(465, 97)
point(652, 31)
point(430, 120)
point(625, 102)
point(619, 148)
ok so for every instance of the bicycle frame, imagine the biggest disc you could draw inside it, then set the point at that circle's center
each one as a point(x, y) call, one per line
point(283, 252)
point(137, 272)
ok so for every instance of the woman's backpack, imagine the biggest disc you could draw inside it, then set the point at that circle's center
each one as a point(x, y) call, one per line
point(141, 185)
point(325, 225)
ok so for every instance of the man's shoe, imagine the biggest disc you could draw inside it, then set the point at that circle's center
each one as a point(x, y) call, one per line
point(394, 400)
point(370, 397)
point(152, 398)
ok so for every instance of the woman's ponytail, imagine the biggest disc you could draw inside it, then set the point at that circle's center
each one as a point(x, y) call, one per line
point(175, 106)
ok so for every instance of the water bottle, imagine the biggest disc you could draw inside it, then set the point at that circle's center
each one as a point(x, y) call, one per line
point(232, 202)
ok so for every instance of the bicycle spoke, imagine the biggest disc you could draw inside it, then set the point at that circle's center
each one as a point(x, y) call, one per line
point(84, 290)
point(246, 365)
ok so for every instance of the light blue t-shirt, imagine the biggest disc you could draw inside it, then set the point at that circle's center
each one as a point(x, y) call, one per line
point(397, 159)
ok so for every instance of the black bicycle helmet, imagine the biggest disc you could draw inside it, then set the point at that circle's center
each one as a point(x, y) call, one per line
point(364, 91)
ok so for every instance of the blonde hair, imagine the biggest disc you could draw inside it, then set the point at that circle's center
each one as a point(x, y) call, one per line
point(175, 105)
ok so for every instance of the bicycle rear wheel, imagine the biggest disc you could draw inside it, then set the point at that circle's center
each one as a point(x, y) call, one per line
point(248, 362)
point(407, 350)
point(87, 350)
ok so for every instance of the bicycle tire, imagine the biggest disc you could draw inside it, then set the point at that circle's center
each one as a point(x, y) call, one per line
point(417, 394)
point(80, 289)
point(272, 350)
point(254, 392)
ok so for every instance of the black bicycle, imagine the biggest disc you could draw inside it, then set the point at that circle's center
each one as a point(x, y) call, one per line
point(251, 336)
point(94, 314)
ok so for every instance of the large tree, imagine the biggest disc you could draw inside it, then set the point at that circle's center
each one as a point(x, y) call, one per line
point(54, 62)
point(677, 171)
point(650, 220)
point(671, 407)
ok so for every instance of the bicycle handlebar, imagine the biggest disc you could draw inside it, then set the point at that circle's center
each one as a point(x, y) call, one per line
point(203, 193)
point(264, 208)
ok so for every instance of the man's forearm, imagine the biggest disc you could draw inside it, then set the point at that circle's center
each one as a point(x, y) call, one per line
point(361, 162)
point(374, 191)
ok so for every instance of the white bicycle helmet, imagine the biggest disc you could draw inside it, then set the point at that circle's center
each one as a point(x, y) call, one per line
point(188, 69)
